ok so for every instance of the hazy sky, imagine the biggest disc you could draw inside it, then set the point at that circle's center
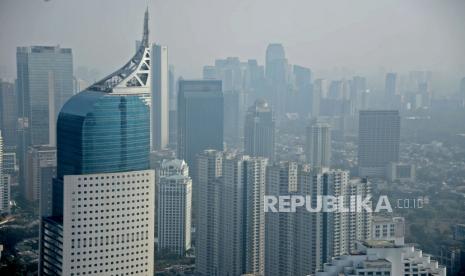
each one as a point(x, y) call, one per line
point(362, 34)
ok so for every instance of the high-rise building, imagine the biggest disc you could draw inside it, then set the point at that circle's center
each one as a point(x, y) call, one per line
point(174, 214)
point(318, 145)
point(358, 93)
point(231, 223)
point(281, 228)
point(8, 114)
point(241, 222)
point(378, 141)
point(392, 98)
point(259, 131)
point(44, 84)
point(200, 119)
point(173, 105)
point(4, 183)
point(302, 98)
point(299, 243)
point(277, 75)
point(390, 89)
point(255, 216)
point(42, 165)
point(160, 97)
point(206, 191)
point(102, 220)
point(340, 230)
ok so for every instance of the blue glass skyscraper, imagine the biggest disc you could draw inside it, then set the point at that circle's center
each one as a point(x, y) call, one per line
point(103, 195)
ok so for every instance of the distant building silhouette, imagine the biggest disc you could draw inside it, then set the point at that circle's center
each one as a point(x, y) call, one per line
point(259, 131)
point(318, 145)
point(378, 141)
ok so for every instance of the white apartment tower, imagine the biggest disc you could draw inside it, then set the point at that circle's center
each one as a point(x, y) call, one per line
point(318, 145)
point(174, 214)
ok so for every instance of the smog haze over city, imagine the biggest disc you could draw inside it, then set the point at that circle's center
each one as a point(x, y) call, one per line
point(232, 137)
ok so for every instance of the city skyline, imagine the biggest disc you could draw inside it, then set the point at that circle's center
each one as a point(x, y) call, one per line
point(307, 40)
point(267, 165)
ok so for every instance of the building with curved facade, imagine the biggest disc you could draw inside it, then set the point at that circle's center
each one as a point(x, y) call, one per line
point(102, 218)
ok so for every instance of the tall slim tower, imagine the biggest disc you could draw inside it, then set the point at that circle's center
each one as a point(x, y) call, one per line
point(276, 73)
point(259, 131)
point(102, 219)
point(318, 145)
point(391, 85)
point(378, 141)
point(207, 190)
point(8, 114)
point(160, 97)
point(4, 183)
point(340, 229)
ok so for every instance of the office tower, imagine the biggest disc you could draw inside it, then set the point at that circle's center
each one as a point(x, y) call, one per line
point(259, 131)
point(102, 219)
point(8, 114)
point(4, 183)
point(160, 97)
point(238, 83)
point(44, 84)
point(320, 92)
point(172, 118)
point(378, 141)
point(342, 229)
point(233, 116)
point(303, 100)
point(206, 191)
point(318, 145)
point(390, 89)
point(200, 119)
point(358, 92)
point(277, 75)
point(174, 214)
point(275, 61)
point(42, 165)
